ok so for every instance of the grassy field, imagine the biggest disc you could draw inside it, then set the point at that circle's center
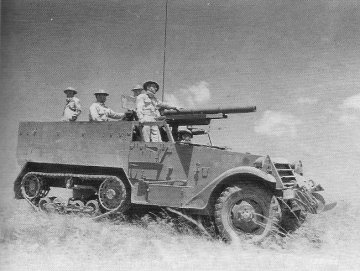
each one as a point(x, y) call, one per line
point(37, 241)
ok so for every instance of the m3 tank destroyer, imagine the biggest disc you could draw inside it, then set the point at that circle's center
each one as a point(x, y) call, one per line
point(109, 167)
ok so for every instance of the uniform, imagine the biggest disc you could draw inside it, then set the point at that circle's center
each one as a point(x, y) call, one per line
point(147, 110)
point(72, 109)
point(100, 112)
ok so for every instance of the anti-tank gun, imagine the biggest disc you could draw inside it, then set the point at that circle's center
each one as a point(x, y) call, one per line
point(200, 116)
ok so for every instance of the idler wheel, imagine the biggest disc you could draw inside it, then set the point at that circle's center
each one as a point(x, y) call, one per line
point(31, 186)
point(113, 195)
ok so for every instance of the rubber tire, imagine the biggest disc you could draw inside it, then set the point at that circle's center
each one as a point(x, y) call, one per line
point(229, 197)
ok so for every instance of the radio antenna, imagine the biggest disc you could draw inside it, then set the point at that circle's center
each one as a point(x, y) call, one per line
point(164, 58)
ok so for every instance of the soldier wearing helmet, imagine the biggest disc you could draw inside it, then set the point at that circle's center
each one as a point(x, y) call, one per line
point(72, 109)
point(147, 109)
point(99, 111)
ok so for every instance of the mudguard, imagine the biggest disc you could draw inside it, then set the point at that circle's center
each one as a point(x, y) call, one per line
point(201, 199)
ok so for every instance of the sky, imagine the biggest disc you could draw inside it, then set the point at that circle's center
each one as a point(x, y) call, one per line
point(297, 61)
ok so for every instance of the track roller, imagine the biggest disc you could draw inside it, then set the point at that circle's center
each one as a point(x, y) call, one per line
point(93, 207)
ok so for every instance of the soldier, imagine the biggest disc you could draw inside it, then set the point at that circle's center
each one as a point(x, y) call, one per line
point(185, 135)
point(99, 111)
point(72, 108)
point(137, 89)
point(147, 109)
point(131, 113)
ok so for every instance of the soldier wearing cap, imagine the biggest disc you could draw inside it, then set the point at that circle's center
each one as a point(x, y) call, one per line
point(131, 103)
point(99, 111)
point(147, 109)
point(72, 109)
point(137, 89)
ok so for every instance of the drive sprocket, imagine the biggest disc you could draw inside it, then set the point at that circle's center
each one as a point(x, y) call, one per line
point(113, 195)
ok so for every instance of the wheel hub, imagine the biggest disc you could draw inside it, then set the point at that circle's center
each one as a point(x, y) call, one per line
point(243, 212)
point(110, 193)
point(32, 186)
point(244, 217)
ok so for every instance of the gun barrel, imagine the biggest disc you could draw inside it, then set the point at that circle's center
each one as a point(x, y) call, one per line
point(213, 110)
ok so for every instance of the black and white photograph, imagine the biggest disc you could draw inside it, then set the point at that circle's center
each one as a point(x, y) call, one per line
point(180, 135)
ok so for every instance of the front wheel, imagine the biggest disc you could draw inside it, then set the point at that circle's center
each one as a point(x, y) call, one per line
point(243, 212)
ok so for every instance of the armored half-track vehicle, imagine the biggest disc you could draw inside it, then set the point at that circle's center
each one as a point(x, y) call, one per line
point(109, 167)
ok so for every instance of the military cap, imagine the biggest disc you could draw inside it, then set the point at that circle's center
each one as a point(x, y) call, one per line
point(101, 91)
point(70, 89)
point(149, 83)
point(137, 87)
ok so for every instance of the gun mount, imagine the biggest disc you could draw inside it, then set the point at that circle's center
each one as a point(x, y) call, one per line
point(201, 116)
